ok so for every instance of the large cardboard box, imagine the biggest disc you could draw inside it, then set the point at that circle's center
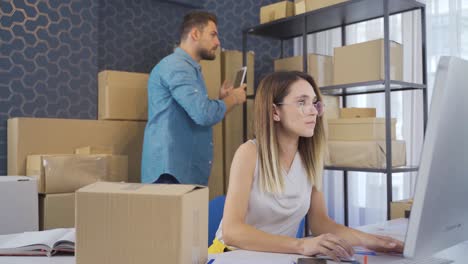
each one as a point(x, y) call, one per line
point(320, 67)
point(123, 95)
point(400, 209)
point(350, 129)
point(233, 135)
point(119, 223)
point(302, 6)
point(56, 211)
point(27, 136)
point(276, 11)
point(364, 62)
point(211, 70)
point(365, 154)
point(18, 204)
point(355, 112)
point(68, 173)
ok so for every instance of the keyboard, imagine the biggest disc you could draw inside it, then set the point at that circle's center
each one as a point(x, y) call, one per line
point(424, 261)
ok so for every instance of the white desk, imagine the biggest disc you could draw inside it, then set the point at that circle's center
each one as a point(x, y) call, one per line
point(395, 228)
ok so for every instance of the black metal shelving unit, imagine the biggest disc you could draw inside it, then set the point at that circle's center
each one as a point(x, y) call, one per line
point(340, 16)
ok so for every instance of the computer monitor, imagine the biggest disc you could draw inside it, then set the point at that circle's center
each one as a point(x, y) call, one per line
point(439, 215)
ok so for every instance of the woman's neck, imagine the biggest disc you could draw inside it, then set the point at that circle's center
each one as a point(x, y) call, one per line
point(288, 144)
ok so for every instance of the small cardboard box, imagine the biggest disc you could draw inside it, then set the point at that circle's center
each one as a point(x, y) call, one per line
point(121, 223)
point(320, 67)
point(351, 129)
point(400, 209)
point(276, 11)
point(18, 204)
point(56, 211)
point(302, 6)
point(354, 112)
point(68, 173)
point(365, 62)
point(123, 95)
point(365, 154)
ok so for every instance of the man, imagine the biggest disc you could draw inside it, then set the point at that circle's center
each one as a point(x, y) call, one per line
point(178, 145)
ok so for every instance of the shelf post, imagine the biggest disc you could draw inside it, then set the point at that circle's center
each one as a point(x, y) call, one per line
point(424, 65)
point(388, 112)
point(345, 173)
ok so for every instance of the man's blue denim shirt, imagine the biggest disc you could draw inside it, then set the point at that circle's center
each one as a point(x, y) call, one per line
point(178, 136)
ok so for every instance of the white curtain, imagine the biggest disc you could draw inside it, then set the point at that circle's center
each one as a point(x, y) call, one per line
point(447, 28)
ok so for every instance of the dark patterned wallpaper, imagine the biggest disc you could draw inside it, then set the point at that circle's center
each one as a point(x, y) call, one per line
point(48, 61)
point(52, 50)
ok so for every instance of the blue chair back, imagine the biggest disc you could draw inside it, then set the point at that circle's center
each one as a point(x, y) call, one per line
point(215, 214)
point(300, 231)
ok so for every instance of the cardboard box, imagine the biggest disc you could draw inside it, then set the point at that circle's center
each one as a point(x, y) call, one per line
point(332, 106)
point(276, 11)
point(233, 129)
point(320, 67)
point(228, 135)
point(365, 62)
point(350, 129)
point(68, 173)
point(27, 136)
point(118, 223)
point(365, 154)
point(211, 70)
point(18, 204)
point(56, 211)
point(354, 112)
point(400, 209)
point(89, 150)
point(123, 95)
point(302, 6)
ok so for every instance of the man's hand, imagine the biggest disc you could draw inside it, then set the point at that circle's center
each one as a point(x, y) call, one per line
point(225, 89)
point(239, 94)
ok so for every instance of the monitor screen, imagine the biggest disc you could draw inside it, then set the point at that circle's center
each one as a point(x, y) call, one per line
point(439, 215)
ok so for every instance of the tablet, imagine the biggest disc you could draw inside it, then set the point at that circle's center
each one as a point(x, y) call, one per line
point(239, 79)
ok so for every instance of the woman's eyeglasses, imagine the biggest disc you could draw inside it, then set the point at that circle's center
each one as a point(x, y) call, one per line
point(305, 106)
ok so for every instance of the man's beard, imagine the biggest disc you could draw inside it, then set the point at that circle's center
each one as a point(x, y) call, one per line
point(206, 55)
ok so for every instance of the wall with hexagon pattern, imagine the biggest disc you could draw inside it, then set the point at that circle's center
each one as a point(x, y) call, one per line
point(52, 50)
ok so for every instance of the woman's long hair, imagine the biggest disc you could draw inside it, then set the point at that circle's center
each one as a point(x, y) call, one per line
point(272, 90)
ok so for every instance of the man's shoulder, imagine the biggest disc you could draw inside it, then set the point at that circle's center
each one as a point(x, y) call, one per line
point(174, 61)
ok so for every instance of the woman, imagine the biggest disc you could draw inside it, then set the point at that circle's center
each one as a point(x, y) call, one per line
point(276, 179)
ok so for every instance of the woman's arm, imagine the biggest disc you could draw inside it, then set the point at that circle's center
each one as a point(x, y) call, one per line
point(322, 224)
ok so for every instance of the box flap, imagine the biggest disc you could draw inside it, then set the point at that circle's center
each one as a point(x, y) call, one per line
point(138, 188)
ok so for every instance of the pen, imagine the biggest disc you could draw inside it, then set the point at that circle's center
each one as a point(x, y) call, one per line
point(365, 259)
point(210, 261)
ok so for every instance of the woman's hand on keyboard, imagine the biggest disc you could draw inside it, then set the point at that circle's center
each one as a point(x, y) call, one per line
point(382, 243)
point(327, 244)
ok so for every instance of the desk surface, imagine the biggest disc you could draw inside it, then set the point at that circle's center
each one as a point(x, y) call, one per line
point(395, 228)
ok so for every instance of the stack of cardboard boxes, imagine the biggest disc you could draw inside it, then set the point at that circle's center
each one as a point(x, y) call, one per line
point(227, 135)
point(59, 176)
point(66, 154)
point(357, 139)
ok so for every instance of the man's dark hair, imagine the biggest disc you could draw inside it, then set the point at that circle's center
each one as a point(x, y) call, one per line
point(196, 19)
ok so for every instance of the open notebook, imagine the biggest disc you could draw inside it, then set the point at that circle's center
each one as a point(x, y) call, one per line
point(39, 243)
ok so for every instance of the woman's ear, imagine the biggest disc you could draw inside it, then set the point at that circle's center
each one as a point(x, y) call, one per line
point(276, 116)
